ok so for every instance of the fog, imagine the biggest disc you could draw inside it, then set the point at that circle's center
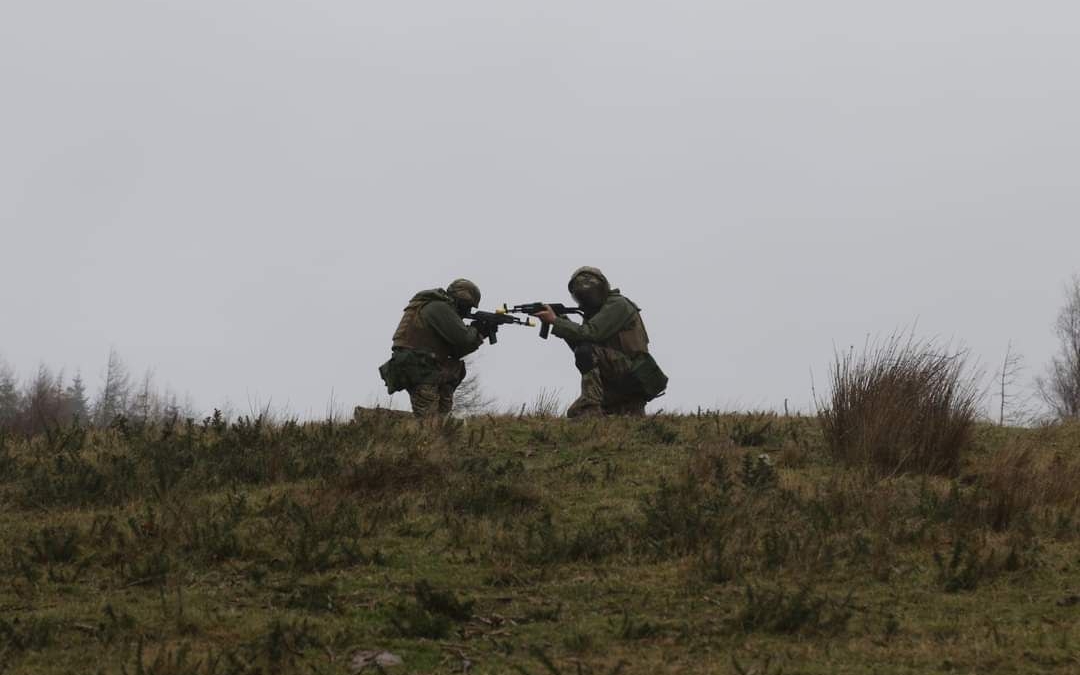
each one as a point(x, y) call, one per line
point(243, 196)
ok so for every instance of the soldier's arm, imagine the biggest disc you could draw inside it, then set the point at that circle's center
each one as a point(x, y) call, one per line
point(601, 327)
point(445, 321)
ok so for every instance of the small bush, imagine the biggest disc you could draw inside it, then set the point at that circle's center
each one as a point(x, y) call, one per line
point(485, 487)
point(1014, 481)
point(679, 517)
point(656, 430)
point(964, 567)
point(630, 629)
point(53, 545)
point(592, 541)
point(758, 473)
point(442, 602)
point(320, 536)
point(282, 646)
point(902, 406)
point(413, 621)
point(779, 611)
point(383, 473)
point(115, 626)
point(320, 596)
point(432, 615)
point(752, 430)
point(30, 635)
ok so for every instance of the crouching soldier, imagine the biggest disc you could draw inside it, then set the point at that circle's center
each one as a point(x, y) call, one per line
point(611, 349)
point(429, 343)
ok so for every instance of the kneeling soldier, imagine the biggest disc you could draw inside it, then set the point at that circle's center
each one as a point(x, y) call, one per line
point(429, 343)
point(611, 349)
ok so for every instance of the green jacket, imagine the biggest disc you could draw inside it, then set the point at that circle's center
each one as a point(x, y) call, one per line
point(617, 324)
point(431, 323)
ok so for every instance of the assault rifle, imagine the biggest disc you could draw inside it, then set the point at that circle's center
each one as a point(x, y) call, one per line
point(488, 323)
point(534, 307)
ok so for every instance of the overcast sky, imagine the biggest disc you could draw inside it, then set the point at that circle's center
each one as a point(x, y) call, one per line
point(244, 194)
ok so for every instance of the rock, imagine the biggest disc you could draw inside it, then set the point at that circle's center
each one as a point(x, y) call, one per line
point(362, 414)
point(362, 660)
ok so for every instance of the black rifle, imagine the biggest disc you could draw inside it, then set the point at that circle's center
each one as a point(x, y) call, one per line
point(534, 307)
point(488, 323)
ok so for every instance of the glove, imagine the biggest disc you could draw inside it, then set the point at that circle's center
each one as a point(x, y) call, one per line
point(483, 329)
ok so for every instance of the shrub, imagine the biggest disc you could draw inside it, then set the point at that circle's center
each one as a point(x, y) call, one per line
point(591, 541)
point(752, 430)
point(432, 615)
point(382, 473)
point(901, 406)
point(1012, 482)
point(679, 517)
point(1059, 387)
point(776, 610)
point(33, 634)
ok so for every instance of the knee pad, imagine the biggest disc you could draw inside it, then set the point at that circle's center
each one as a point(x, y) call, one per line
point(584, 358)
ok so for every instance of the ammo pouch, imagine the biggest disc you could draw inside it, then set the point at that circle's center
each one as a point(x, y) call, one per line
point(647, 375)
point(408, 368)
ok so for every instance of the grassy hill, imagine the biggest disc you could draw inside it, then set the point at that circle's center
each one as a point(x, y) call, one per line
point(692, 544)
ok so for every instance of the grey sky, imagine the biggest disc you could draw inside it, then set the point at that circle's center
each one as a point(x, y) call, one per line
point(243, 195)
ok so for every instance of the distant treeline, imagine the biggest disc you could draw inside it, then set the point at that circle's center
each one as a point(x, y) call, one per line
point(50, 399)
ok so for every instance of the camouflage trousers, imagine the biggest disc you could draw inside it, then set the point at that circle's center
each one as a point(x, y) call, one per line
point(606, 384)
point(436, 397)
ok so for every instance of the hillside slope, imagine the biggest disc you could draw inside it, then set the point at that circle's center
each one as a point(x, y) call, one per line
point(696, 544)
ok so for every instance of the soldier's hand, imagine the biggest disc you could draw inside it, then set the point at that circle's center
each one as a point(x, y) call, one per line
point(547, 315)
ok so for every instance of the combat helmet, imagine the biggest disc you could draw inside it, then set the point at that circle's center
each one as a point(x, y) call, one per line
point(589, 283)
point(465, 291)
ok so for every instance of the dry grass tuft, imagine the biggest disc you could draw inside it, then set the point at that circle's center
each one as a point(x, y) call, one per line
point(384, 472)
point(901, 406)
point(1018, 479)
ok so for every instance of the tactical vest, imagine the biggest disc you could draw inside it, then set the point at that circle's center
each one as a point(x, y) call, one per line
point(414, 333)
point(633, 339)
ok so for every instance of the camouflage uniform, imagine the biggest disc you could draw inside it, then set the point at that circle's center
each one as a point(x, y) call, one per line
point(611, 350)
point(428, 346)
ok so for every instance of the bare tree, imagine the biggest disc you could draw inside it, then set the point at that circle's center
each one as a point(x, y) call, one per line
point(146, 404)
point(471, 399)
point(112, 399)
point(1012, 405)
point(44, 401)
point(1059, 387)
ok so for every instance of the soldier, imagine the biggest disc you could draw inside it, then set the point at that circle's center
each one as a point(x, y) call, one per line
point(429, 343)
point(611, 349)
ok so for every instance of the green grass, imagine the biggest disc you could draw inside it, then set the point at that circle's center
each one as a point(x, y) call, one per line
point(695, 544)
